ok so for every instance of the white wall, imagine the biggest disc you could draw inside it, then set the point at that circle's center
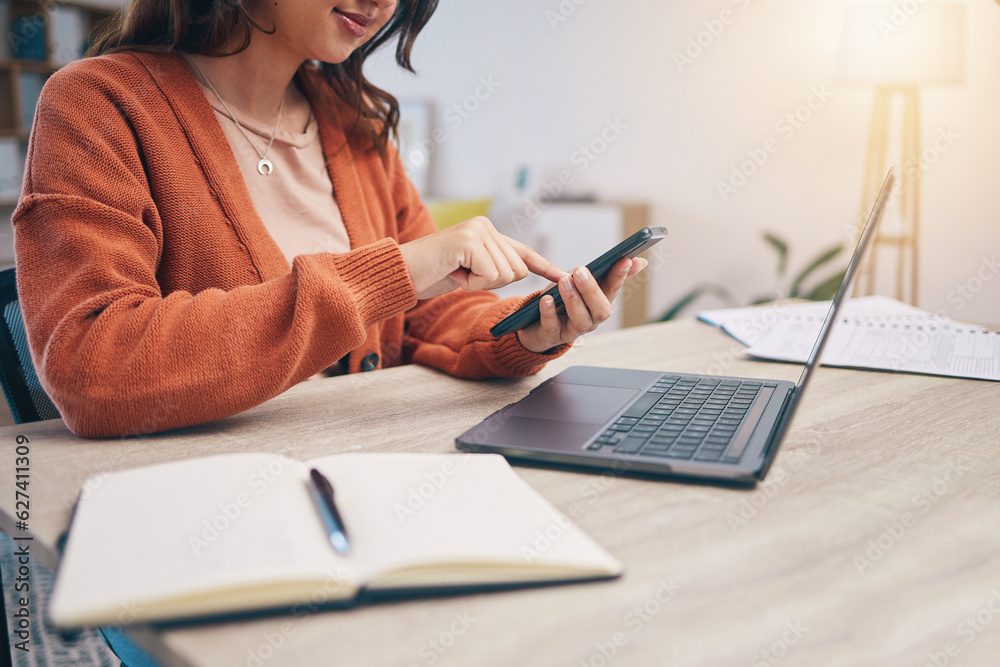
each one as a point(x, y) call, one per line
point(685, 130)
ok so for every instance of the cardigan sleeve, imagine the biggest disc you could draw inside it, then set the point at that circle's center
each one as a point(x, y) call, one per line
point(451, 332)
point(117, 356)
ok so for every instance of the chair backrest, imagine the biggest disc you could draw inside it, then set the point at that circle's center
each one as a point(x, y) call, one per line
point(26, 399)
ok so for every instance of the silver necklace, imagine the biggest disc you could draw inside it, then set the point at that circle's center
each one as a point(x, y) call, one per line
point(264, 166)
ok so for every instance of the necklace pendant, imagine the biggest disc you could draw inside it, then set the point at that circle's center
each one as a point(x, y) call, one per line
point(264, 167)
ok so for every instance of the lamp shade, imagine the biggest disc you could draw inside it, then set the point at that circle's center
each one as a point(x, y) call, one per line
point(904, 43)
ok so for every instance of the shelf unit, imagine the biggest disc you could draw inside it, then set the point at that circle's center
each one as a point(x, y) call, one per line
point(40, 36)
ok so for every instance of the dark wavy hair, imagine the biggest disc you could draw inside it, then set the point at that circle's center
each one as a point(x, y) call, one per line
point(211, 27)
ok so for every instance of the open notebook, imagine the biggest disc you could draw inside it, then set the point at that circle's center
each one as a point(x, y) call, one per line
point(240, 532)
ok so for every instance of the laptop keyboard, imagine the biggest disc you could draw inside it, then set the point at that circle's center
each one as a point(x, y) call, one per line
point(683, 417)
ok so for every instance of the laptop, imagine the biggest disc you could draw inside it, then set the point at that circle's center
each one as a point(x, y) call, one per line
point(677, 425)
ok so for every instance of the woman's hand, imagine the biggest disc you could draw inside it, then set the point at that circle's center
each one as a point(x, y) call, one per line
point(587, 303)
point(472, 255)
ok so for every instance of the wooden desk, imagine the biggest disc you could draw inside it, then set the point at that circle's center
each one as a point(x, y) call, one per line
point(874, 540)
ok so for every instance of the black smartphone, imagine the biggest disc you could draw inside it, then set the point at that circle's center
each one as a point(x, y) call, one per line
point(634, 245)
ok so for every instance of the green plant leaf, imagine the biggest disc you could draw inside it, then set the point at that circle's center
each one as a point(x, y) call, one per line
point(782, 248)
point(827, 289)
point(688, 298)
point(822, 259)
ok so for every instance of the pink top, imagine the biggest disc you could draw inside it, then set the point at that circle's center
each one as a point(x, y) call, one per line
point(295, 201)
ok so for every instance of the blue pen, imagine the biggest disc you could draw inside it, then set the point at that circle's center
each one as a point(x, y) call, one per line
point(328, 510)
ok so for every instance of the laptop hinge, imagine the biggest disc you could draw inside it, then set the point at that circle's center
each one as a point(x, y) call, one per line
point(784, 419)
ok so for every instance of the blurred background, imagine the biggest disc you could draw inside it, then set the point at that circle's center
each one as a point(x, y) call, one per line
point(730, 120)
point(752, 130)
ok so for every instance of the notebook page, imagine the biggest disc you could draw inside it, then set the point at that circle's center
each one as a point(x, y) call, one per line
point(192, 537)
point(452, 519)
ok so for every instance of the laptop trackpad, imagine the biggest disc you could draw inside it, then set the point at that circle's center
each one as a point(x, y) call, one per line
point(577, 403)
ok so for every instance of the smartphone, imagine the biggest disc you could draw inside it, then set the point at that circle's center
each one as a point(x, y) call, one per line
point(634, 245)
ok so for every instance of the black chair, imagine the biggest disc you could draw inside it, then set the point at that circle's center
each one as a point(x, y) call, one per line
point(28, 402)
point(26, 399)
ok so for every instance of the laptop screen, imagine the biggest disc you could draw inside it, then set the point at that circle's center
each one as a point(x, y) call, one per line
point(864, 242)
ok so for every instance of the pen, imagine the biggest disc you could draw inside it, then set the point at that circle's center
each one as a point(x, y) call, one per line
point(328, 509)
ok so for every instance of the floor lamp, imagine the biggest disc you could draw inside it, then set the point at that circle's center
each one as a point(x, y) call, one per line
point(899, 52)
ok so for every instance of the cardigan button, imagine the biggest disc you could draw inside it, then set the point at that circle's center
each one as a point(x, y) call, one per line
point(369, 362)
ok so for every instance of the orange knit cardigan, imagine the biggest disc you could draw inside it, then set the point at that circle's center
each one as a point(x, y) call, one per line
point(153, 296)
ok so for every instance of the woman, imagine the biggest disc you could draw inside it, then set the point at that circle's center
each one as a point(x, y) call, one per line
point(209, 217)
